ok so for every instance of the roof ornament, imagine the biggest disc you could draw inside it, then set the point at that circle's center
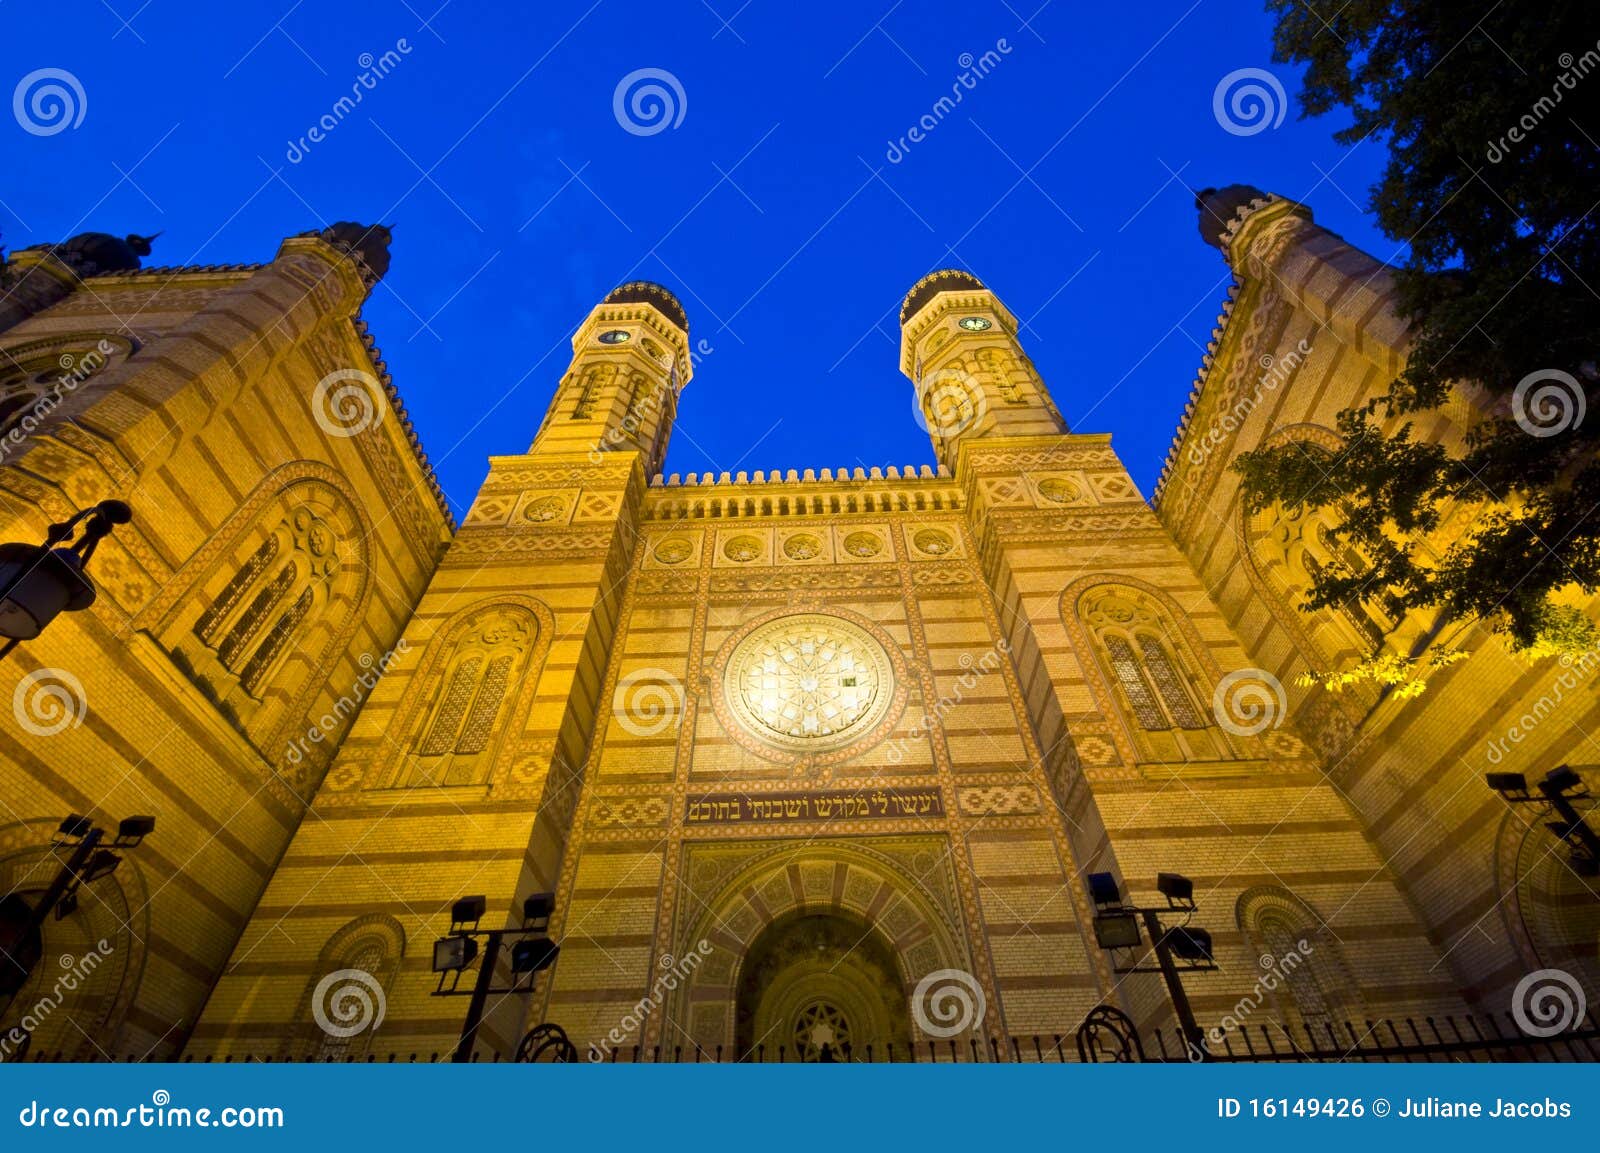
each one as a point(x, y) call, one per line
point(96, 252)
point(366, 244)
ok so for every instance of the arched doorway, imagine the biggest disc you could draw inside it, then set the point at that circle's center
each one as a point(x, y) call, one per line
point(1552, 914)
point(819, 980)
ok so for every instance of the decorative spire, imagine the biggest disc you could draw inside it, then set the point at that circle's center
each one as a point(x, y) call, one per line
point(945, 280)
point(367, 244)
point(648, 292)
point(1220, 207)
point(94, 252)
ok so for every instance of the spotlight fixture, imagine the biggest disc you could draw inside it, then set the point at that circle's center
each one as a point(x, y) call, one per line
point(537, 910)
point(1176, 888)
point(453, 954)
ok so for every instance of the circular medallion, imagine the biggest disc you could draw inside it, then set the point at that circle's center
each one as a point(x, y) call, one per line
point(973, 323)
point(614, 336)
point(673, 550)
point(742, 549)
point(1058, 490)
point(934, 542)
point(863, 544)
point(802, 546)
point(809, 682)
point(546, 508)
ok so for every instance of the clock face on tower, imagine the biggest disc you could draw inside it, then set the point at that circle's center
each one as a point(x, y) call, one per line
point(809, 682)
point(973, 323)
point(614, 336)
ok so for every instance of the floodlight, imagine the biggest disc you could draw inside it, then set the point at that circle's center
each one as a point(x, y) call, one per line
point(536, 911)
point(1176, 888)
point(1103, 889)
point(452, 954)
point(1117, 930)
point(468, 910)
point(1189, 944)
point(1507, 782)
point(1560, 779)
point(533, 955)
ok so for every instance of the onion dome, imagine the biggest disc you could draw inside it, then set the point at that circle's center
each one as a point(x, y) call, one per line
point(1219, 207)
point(648, 292)
point(945, 280)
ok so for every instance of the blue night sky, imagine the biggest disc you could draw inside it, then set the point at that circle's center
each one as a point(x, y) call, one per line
point(771, 209)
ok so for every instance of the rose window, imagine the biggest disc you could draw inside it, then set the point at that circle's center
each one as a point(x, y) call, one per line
point(809, 682)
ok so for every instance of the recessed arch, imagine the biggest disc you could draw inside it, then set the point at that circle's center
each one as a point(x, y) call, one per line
point(788, 880)
point(461, 711)
point(1148, 668)
point(266, 682)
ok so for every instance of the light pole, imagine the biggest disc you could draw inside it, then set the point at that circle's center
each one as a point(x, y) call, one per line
point(91, 858)
point(1177, 947)
point(1560, 787)
point(38, 582)
point(532, 952)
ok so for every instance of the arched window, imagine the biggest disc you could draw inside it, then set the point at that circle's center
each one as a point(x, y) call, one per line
point(252, 621)
point(16, 400)
point(459, 734)
point(1299, 961)
point(1293, 547)
point(36, 378)
point(1158, 692)
point(346, 995)
point(996, 368)
point(590, 384)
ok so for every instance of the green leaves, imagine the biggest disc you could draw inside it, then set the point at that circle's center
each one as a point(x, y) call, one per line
point(1493, 185)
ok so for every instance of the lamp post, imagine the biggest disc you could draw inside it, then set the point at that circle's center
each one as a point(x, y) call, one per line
point(1559, 788)
point(91, 858)
point(38, 582)
point(1177, 947)
point(532, 952)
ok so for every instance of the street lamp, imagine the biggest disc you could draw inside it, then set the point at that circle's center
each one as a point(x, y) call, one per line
point(91, 859)
point(1177, 947)
point(1560, 787)
point(38, 582)
point(532, 952)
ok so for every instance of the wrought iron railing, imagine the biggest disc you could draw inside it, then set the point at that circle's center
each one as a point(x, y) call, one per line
point(1107, 1034)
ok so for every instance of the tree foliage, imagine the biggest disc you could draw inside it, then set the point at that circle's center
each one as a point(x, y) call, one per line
point(1491, 115)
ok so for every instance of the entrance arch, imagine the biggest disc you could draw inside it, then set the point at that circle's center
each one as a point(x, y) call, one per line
point(819, 979)
point(743, 901)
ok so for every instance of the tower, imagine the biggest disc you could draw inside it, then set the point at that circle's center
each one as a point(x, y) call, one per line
point(959, 346)
point(630, 359)
point(465, 766)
